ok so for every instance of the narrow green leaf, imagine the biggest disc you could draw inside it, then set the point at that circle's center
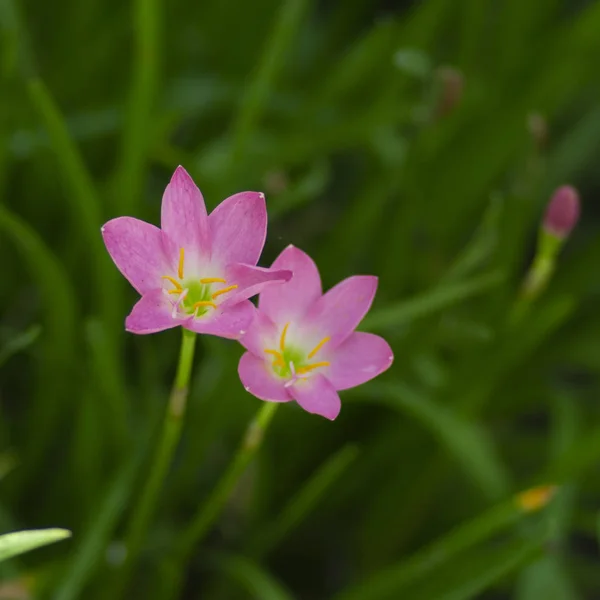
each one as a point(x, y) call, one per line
point(13, 544)
point(136, 141)
point(288, 21)
point(430, 302)
point(253, 578)
point(546, 579)
point(306, 499)
point(90, 551)
point(19, 342)
point(465, 440)
point(388, 583)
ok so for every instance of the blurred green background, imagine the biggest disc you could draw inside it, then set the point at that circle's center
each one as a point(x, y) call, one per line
point(417, 141)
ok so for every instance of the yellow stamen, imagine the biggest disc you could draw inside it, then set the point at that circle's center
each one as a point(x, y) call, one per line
point(205, 303)
point(212, 280)
point(224, 291)
point(282, 340)
point(180, 267)
point(535, 498)
point(174, 282)
point(278, 362)
point(318, 346)
point(316, 365)
point(177, 291)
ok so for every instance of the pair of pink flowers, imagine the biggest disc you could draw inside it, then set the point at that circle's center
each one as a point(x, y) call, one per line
point(199, 271)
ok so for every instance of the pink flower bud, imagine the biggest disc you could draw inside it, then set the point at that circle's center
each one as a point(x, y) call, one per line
point(562, 212)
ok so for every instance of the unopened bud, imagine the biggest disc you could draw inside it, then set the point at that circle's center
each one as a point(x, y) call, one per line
point(562, 212)
point(452, 84)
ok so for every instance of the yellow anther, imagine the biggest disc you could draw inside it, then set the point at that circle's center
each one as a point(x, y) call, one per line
point(177, 291)
point(278, 362)
point(212, 280)
point(282, 340)
point(318, 346)
point(224, 291)
point(174, 282)
point(316, 365)
point(180, 267)
point(205, 303)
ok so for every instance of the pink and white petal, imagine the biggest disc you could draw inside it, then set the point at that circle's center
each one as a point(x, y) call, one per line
point(341, 309)
point(184, 218)
point(152, 313)
point(317, 395)
point(359, 358)
point(251, 281)
point(136, 248)
point(285, 302)
point(259, 380)
point(226, 322)
point(261, 334)
point(238, 228)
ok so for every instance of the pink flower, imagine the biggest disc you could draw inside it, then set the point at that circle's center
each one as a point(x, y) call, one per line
point(302, 345)
point(199, 270)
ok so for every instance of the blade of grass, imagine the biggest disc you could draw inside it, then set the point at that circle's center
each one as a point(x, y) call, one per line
point(252, 577)
point(135, 142)
point(287, 23)
point(59, 338)
point(304, 501)
point(466, 441)
point(18, 542)
point(439, 298)
point(389, 582)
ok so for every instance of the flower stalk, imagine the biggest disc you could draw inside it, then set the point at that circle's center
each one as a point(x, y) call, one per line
point(214, 505)
point(169, 439)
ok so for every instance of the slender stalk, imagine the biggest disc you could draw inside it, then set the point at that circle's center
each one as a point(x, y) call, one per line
point(211, 509)
point(169, 438)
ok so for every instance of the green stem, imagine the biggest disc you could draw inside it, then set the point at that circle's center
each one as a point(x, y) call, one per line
point(211, 509)
point(169, 438)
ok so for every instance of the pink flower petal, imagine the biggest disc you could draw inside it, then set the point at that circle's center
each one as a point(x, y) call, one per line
point(184, 219)
point(152, 313)
point(238, 228)
point(230, 322)
point(136, 248)
point(359, 358)
point(341, 309)
point(261, 334)
point(317, 395)
point(284, 302)
point(259, 380)
point(251, 281)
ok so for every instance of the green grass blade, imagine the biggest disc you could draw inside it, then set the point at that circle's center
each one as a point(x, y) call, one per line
point(288, 21)
point(389, 582)
point(92, 547)
point(469, 443)
point(13, 544)
point(253, 578)
point(430, 302)
point(135, 143)
point(305, 500)
point(19, 342)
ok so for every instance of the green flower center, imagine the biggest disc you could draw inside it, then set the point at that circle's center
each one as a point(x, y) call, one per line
point(195, 296)
point(293, 363)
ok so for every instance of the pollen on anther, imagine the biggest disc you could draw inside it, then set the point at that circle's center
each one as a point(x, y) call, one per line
point(224, 291)
point(180, 266)
point(283, 334)
point(318, 346)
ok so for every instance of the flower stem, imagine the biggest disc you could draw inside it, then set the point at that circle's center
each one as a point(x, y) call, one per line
point(169, 438)
point(211, 509)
